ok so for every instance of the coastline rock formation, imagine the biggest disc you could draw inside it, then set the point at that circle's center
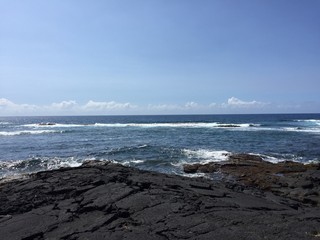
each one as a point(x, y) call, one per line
point(294, 180)
point(102, 200)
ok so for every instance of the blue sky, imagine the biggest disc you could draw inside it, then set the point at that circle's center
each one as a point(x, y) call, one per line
point(159, 56)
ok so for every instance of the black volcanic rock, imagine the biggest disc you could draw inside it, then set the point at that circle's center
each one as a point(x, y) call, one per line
point(109, 201)
point(294, 180)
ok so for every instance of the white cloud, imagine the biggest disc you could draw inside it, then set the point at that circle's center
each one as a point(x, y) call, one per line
point(10, 107)
point(174, 108)
point(213, 105)
point(163, 107)
point(191, 105)
point(5, 103)
point(236, 102)
point(92, 105)
point(71, 107)
point(64, 105)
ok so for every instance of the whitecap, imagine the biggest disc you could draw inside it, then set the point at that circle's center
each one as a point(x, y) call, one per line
point(196, 175)
point(10, 168)
point(317, 121)
point(109, 125)
point(310, 122)
point(299, 129)
point(277, 157)
point(201, 156)
point(147, 125)
point(53, 125)
point(131, 162)
point(163, 125)
point(179, 125)
point(205, 155)
point(26, 132)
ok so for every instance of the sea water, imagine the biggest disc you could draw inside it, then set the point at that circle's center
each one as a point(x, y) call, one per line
point(158, 143)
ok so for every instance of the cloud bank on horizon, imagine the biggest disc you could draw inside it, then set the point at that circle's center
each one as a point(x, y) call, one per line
point(232, 105)
point(159, 57)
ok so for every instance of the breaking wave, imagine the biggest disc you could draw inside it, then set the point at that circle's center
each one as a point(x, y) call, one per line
point(205, 156)
point(147, 125)
point(27, 132)
point(9, 168)
point(311, 121)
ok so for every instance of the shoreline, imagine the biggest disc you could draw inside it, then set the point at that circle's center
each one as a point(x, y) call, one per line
point(290, 179)
point(101, 200)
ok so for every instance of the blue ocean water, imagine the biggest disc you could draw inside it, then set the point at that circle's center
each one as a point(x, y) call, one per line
point(159, 143)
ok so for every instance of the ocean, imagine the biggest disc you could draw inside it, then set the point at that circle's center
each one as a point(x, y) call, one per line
point(157, 143)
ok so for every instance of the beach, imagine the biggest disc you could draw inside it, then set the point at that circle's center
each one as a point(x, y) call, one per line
point(103, 200)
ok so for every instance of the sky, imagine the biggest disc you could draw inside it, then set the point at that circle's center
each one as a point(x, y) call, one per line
point(81, 57)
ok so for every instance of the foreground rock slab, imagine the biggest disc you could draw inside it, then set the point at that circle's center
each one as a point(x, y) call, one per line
point(109, 201)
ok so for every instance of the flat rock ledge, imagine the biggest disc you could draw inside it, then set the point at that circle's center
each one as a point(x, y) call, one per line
point(109, 201)
point(294, 180)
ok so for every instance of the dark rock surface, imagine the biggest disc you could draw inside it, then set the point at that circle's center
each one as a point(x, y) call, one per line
point(108, 201)
point(294, 180)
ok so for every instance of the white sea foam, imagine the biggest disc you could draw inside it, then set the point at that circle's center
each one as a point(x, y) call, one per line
point(196, 175)
point(279, 157)
point(146, 125)
point(315, 121)
point(155, 125)
point(55, 163)
point(176, 125)
point(204, 155)
point(10, 168)
point(110, 125)
point(130, 162)
point(27, 132)
point(53, 125)
point(297, 129)
point(312, 124)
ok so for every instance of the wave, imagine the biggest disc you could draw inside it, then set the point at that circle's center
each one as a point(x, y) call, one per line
point(277, 158)
point(315, 121)
point(310, 123)
point(53, 125)
point(299, 129)
point(206, 155)
point(147, 125)
point(9, 168)
point(178, 125)
point(188, 156)
point(201, 156)
point(27, 132)
point(127, 149)
point(133, 162)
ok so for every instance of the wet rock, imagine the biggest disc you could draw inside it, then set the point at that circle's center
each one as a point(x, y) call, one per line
point(290, 179)
point(191, 168)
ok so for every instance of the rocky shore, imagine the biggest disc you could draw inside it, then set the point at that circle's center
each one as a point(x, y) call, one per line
point(101, 200)
point(297, 181)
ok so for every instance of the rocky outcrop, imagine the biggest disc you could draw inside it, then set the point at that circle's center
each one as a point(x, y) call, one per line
point(297, 181)
point(108, 201)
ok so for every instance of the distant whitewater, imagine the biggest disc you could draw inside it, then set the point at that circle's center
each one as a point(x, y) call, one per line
point(159, 143)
